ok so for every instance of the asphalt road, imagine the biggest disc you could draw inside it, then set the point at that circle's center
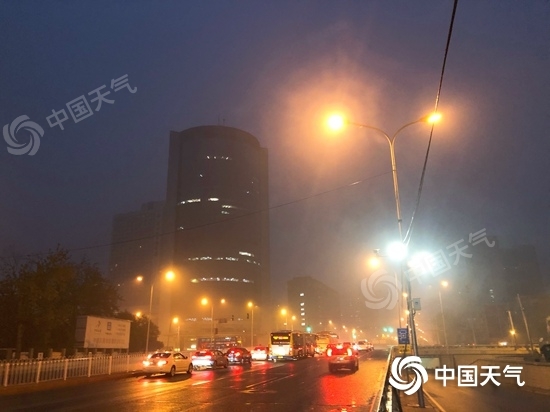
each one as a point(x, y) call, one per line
point(304, 385)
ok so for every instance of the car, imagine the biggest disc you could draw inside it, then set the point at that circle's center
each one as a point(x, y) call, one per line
point(239, 355)
point(206, 358)
point(260, 353)
point(342, 356)
point(363, 345)
point(167, 362)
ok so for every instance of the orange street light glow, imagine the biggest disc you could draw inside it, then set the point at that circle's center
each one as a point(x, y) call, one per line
point(336, 122)
point(434, 118)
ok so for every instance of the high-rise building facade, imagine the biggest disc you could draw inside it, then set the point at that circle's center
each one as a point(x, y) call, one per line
point(313, 304)
point(217, 229)
point(135, 251)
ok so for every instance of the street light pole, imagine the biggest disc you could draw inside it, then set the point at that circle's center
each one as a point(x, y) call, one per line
point(251, 306)
point(391, 142)
point(443, 317)
point(212, 325)
point(149, 320)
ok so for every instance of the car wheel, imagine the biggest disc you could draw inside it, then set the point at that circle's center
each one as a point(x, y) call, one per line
point(190, 369)
point(331, 369)
point(356, 366)
point(148, 375)
point(172, 372)
point(225, 365)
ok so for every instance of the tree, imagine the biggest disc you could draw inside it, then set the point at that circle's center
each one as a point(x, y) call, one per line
point(41, 298)
point(138, 332)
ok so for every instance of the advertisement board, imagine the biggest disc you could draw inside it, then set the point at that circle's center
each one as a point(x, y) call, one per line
point(102, 333)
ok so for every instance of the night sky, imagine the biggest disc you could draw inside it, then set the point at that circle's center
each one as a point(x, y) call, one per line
point(276, 69)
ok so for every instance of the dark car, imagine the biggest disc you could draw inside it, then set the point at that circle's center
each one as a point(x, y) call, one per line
point(239, 355)
point(342, 356)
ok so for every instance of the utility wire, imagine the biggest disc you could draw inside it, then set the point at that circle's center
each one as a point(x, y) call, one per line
point(408, 235)
point(303, 199)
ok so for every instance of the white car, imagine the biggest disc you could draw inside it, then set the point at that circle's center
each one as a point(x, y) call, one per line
point(167, 362)
point(260, 353)
point(363, 345)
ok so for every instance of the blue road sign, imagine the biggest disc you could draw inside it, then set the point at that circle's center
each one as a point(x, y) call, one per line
point(403, 336)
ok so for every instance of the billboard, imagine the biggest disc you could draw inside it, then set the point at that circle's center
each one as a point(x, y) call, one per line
point(102, 333)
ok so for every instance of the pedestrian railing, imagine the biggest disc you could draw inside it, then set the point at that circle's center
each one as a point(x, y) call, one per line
point(15, 372)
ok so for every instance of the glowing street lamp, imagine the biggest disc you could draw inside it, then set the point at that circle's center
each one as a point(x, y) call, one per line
point(336, 122)
point(204, 302)
point(169, 276)
point(285, 314)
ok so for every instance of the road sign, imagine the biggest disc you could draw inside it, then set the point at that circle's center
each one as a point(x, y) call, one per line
point(416, 304)
point(403, 336)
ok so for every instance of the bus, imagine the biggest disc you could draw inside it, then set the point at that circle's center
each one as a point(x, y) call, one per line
point(325, 338)
point(222, 343)
point(291, 345)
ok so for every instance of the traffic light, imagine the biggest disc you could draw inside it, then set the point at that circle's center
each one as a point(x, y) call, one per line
point(308, 329)
point(248, 316)
point(232, 317)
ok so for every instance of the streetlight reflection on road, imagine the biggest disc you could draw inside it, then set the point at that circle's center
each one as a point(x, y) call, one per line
point(337, 122)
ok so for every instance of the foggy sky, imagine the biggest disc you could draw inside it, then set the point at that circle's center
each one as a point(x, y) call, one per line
point(275, 69)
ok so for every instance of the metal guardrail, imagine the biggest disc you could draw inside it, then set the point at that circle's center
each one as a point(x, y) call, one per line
point(388, 399)
point(15, 372)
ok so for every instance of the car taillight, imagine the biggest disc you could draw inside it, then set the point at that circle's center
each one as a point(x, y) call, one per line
point(329, 352)
point(237, 354)
point(146, 363)
point(349, 352)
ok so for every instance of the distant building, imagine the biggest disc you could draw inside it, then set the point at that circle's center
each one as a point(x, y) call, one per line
point(488, 288)
point(135, 250)
point(313, 304)
point(217, 229)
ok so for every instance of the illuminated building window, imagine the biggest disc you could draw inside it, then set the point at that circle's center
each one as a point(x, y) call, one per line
point(302, 294)
point(225, 212)
point(213, 199)
point(302, 304)
point(303, 324)
point(246, 254)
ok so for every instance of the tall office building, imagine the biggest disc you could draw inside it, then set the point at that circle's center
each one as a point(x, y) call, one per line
point(135, 250)
point(218, 229)
point(313, 304)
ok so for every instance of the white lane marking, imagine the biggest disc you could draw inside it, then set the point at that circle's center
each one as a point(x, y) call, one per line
point(432, 400)
point(199, 383)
